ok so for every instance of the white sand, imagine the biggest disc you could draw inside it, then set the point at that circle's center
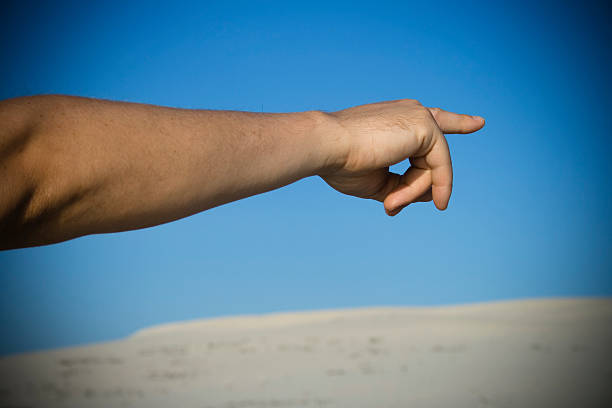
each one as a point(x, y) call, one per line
point(536, 353)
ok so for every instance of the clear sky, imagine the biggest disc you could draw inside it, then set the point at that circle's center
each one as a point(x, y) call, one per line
point(530, 212)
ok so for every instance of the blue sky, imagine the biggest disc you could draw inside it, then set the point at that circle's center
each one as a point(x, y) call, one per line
point(529, 216)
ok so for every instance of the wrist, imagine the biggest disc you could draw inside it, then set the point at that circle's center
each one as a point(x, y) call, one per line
point(331, 142)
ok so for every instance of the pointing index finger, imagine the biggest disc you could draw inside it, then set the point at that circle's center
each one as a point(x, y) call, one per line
point(450, 122)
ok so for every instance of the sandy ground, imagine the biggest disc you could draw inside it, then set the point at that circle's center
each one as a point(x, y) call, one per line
point(535, 353)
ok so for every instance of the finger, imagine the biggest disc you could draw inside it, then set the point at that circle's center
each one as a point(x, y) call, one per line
point(450, 122)
point(413, 184)
point(390, 181)
point(425, 197)
point(439, 161)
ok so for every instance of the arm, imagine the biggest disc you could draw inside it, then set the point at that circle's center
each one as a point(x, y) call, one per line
point(73, 166)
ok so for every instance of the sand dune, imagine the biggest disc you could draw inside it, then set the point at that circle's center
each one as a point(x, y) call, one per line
point(534, 353)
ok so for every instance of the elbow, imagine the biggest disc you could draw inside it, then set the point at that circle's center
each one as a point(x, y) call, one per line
point(15, 226)
point(21, 208)
point(28, 212)
point(22, 170)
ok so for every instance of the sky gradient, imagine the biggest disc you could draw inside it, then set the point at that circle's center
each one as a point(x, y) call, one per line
point(530, 211)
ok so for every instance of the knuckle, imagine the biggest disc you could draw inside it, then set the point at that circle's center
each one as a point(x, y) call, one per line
point(411, 102)
point(435, 111)
point(423, 132)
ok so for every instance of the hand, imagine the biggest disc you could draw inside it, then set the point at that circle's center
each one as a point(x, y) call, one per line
point(378, 135)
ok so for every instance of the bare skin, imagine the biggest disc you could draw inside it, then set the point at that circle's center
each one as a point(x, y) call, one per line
point(73, 166)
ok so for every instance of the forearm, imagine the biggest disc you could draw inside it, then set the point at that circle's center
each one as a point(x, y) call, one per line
point(79, 166)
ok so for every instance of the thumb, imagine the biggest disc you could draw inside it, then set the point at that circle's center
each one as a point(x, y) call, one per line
point(412, 186)
point(450, 122)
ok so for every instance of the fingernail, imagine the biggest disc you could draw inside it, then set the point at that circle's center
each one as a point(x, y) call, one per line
point(478, 118)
